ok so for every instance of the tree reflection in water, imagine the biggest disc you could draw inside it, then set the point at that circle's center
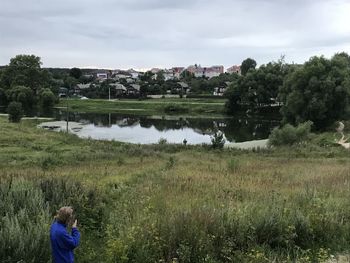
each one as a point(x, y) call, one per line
point(238, 129)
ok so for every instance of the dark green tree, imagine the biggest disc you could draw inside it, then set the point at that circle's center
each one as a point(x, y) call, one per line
point(187, 76)
point(25, 70)
point(160, 77)
point(75, 73)
point(318, 91)
point(15, 111)
point(3, 99)
point(24, 95)
point(258, 87)
point(247, 64)
point(47, 100)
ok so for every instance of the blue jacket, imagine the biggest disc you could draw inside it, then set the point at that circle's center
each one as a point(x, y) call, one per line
point(62, 243)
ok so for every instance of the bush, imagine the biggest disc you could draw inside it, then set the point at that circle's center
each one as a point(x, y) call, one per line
point(15, 111)
point(25, 221)
point(175, 108)
point(218, 140)
point(289, 135)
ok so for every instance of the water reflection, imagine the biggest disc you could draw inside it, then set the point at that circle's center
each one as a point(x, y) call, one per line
point(149, 129)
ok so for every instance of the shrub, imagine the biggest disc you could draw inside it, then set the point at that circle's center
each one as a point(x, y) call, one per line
point(24, 220)
point(15, 111)
point(289, 135)
point(162, 141)
point(176, 108)
point(218, 140)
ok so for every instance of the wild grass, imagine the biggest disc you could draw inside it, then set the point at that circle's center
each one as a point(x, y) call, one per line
point(168, 203)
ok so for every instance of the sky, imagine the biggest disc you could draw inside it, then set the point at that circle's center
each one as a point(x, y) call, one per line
point(143, 34)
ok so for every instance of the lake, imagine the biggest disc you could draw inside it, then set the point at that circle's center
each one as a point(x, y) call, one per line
point(174, 129)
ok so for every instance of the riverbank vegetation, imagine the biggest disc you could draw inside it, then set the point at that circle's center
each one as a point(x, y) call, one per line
point(317, 91)
point(148, 107)
point(181, 204)
point(26, 84)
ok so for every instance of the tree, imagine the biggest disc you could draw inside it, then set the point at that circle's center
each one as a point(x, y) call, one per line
point(47, 100)
point(247, 64)
point(24, 70)
point(187, 75)
point(15, 111)
point(258, 87)
point(160, 77)
point(24, 95)
point(3, 99)
point(218, 140)
point(21, 81)
point(318, 91)
point(75, 73)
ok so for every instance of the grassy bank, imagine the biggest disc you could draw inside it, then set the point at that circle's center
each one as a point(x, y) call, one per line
point(167, 203)
point(148, 107)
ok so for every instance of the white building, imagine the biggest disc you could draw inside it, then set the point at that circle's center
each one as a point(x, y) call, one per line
point(102, 76)
point(134, 74)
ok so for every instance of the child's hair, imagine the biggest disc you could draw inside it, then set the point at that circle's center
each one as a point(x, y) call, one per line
point(64, 214)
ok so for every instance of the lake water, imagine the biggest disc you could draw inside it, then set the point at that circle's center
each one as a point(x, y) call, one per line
point(174, 129)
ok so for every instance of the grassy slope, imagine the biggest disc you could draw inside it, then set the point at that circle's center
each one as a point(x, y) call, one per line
point(146, 107)
point(173, 186)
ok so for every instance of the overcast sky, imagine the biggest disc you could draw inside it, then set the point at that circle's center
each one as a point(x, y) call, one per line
point(161, 33)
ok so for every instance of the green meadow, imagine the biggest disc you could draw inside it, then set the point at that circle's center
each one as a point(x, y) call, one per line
point(173, 203)
point(188, 106)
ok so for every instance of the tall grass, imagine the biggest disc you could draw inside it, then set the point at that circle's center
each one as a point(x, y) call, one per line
point(168, 203)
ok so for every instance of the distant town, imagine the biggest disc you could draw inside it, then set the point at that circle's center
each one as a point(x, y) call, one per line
point(157, 82)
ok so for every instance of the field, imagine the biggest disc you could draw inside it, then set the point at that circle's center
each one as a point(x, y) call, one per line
point(172, 203)
point(148, 107)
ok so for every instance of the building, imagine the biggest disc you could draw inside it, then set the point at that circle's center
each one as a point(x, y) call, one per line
point(234, 69)
point(119, 88)
point(134, 74)
point(184, 88)
point(155, 70)
point(177, 71)
point(213, 71)
point(83, 86)
point(102, 76)
point(168, 74)
point(121, 74)
point(134, 89)
point(62, 92)
point(207, 72)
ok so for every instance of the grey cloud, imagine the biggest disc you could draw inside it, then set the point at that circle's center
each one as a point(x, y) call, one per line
point(146, 33)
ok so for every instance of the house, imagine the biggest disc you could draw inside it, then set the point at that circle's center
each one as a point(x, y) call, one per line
point(177, 71)
point(134, 74)
point(88, 76)
point(119, 74)
point(234, 69)
point(62, 92)
point(184, 88)
point(155, 70)
point(120, 88)
point(81, 86)
point(130, 80)
point(134, 89)
point(102, 76)
point(207, 72)
point(168, 74)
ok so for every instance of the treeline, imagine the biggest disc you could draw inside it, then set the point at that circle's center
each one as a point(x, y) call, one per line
point(155, 83)
point(26, 88)
point(317, 91)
